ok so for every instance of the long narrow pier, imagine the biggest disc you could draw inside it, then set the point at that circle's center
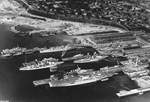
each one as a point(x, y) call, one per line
point(132, 92)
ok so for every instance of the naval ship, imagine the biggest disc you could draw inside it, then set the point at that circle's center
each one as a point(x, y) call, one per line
point(78, 77)
point(45, 63)
point(19, 51)
point(16, 51)
point(12, 52)
point(75, 57)
point(88, 58)
point(55, 49)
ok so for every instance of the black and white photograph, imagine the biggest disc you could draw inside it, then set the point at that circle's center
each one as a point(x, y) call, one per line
point(74, 50)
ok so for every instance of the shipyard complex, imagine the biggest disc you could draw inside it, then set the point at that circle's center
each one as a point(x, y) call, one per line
point(129, 50)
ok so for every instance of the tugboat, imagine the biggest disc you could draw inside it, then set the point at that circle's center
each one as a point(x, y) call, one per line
point(45, 63)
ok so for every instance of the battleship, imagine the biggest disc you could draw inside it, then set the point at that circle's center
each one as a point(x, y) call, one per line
point(45, 63)
point(78, 77)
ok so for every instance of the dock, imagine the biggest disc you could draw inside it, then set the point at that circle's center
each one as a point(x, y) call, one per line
point(139, 91)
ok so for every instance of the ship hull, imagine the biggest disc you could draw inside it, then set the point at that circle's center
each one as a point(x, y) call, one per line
point(27, 69)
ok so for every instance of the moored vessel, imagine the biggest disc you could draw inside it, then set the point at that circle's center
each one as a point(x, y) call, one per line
point(55, 49)
point(12, 52)
point(88, 58)
point(45, 63)
point(77, 77)
point(75, 57)
point(16, 51)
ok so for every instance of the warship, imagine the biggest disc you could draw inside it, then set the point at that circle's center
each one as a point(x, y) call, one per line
point(45, 63)
point(16, 51)
point(12, 52)
point(75, 57)
point(78, 77)
point(135, 68)
point(55, 49)
point(88, 58)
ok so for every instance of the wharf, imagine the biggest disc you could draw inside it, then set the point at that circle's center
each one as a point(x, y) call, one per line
point(132, 92)
point(143, 83)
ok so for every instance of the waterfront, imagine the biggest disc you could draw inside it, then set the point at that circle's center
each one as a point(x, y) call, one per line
point(17, 86)
point(21, 29)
